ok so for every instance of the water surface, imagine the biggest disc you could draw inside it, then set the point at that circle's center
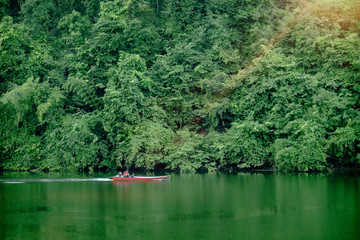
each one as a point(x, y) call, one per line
point(240, 206)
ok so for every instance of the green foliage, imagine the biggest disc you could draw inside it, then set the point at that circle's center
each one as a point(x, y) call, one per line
point(14, 46)
point(307, 98)
point(303, 150)
point(191, 152)
point(129, 109)
point(147, 145)
point(50, 105)
point(43, 16)
point(22, 99)
point(186, 155)
point(75, 28)
point(73, 145)
point(82, 92)
point(127, 97)
point(20, 150)
point(21, 56)
point(300, 110)
point(247, 144)
point(31, 96)
point(344, 143)
point(24, 109)
point(145, 84)
point(193, 68)
point(19, 147)
point(39, 15)
point(3, 5)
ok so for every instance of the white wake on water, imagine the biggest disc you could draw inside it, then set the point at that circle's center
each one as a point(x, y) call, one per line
point(49, 180)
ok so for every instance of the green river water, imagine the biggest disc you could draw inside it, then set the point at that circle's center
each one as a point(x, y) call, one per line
point(237, 206)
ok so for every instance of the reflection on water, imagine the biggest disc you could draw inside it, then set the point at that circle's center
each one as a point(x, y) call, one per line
point(243, 206)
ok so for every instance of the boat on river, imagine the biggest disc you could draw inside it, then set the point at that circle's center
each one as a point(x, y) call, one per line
point(141, 178)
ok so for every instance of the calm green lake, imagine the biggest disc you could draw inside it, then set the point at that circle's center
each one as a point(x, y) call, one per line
point(239, 206)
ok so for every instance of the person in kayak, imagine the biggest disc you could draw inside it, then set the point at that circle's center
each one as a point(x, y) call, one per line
point(120, 174)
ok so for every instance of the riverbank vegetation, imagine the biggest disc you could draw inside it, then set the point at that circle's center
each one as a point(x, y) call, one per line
point(181, 85)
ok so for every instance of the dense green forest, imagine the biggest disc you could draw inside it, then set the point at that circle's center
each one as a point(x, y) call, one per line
point(181, 85)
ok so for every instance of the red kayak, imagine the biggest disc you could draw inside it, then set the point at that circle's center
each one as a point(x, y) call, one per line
point(138, 178)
